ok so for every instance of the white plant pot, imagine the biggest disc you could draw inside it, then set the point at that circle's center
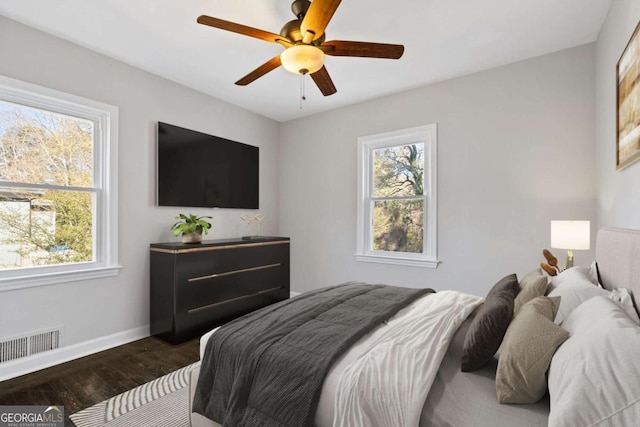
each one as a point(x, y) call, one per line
point(195, 237)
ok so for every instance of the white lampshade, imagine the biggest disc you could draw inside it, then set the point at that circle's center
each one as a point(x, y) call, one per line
point(572, 235)
point(302, 59)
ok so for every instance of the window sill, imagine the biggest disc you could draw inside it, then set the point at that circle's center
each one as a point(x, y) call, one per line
point(51, 278)
point(396, 260)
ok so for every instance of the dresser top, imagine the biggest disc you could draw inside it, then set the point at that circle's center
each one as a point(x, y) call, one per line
point(177, 246)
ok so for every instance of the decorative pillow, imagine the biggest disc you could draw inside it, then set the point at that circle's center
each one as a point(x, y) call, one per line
point(509, 282)
point(526, 352)
point(575, 287)
point(594, 375)
point(487, 329)
point(531, 286)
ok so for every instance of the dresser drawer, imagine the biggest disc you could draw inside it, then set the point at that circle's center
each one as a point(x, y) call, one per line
point(206, 292)
point(205, 263)
point(196, 323)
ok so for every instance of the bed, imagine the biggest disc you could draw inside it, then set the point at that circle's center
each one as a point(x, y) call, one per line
point(599, 391)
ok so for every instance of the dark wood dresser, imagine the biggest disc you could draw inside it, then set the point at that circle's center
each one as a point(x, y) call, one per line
point(196, 287)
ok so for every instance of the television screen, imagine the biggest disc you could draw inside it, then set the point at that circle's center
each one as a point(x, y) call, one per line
point(200, 170)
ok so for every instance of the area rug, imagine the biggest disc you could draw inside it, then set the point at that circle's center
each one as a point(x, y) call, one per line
point(161, 402)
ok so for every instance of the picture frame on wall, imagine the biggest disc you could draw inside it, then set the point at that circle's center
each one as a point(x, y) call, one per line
point(628, 103)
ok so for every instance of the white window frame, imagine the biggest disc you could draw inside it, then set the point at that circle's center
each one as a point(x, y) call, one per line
point(426, 135)
point(105, 182)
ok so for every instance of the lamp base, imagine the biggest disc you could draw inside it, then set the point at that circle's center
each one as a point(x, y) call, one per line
point(569, 259)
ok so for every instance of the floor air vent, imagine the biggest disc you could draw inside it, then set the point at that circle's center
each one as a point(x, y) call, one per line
point(26, 345)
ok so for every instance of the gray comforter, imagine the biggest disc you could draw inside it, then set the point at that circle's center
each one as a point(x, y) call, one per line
point(267, 368)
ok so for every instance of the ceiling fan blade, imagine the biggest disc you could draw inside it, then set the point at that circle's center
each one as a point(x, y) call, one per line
point(362, 49)
point(317, 18)
point(244, 30)
point(323, 81)
point(270, 65)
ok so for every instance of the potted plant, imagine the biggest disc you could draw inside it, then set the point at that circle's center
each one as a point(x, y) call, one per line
point(191, 227)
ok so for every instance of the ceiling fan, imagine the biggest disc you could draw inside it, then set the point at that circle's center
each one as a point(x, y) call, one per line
point(304, 42)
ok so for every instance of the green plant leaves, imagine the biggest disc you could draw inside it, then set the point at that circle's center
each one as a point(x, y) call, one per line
point(190, 224)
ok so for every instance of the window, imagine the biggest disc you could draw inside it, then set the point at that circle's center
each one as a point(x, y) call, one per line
point(58, 198)
point(397, 197)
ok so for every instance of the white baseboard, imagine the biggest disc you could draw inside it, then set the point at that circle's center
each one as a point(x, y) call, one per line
point(29, 364)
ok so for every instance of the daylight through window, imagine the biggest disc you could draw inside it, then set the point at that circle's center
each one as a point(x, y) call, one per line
point(398, 203)
point(396, 210)
point(55, 197)
point(46, 195)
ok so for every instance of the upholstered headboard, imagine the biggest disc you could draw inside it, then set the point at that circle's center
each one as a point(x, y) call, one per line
point(618, 258)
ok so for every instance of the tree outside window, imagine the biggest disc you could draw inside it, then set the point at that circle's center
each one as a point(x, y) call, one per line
point(46, 193)
point(397, 197)
point(398, 205)
point(58, 187)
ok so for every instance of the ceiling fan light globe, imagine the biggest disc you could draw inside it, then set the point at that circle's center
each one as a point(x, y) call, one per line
point(302, 59)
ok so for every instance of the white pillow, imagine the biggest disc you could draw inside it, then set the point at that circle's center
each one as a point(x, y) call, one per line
point(622, 297)
point(594, 376)
point(573, 273)
point(574, 286)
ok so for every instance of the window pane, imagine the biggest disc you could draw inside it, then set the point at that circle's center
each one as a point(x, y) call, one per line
point(398, 225)
point(41, 147)
point(398, 171)
point(44, 227)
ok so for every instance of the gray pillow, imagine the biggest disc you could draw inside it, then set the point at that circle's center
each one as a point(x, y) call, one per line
point(509, 282)
point(487, 330)
point(529, 344)
point(531, 286)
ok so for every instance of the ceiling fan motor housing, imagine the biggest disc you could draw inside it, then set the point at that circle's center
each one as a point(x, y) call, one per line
point(291, 30)
point(300, 7)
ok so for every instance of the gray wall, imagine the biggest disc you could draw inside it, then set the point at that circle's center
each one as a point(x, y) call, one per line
point(516, 150)
point(97, 308)
point(618, 191)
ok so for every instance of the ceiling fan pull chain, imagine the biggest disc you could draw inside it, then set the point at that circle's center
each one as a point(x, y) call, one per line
point(302, 89)
point(304, 97)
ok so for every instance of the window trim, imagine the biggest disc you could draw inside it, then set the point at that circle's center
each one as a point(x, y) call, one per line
point(105, 163)
point(422, 134)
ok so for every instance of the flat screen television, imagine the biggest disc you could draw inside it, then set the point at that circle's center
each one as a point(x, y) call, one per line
point(200, 170)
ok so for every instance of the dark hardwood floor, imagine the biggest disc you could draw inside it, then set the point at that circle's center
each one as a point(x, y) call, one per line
point(84, 382)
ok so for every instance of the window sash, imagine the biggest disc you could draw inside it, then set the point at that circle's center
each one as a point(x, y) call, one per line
point(370, 232)
point(372, 199)
point(104, 185)
point(29, 186)
point(376, 199)
point(38, 234)
point(61, 107)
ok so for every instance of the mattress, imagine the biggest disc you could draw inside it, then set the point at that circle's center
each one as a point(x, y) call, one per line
point(456, 398)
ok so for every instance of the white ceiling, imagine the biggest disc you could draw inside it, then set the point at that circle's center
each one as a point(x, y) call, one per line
point(442, 38)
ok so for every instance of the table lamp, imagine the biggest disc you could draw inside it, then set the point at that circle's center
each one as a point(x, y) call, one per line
point(570, 235)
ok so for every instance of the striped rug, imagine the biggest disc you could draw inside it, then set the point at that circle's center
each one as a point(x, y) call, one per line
point(161, 402)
